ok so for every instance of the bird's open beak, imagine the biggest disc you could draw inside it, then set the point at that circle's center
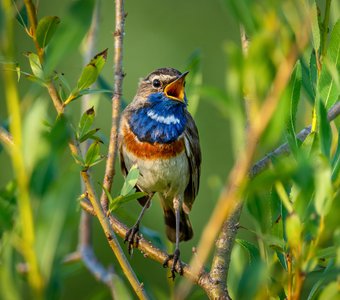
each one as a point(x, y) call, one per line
point(175, 89)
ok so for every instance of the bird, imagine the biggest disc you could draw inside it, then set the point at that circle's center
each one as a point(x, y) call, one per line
point(158, 134)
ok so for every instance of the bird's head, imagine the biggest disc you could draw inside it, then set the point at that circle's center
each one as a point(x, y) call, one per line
point(166, 81)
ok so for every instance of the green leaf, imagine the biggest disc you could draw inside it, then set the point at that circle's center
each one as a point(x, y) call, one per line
point(21, 16)
point(336, 161)
point(35, 65)
point(294, 89)
point(252, 250)
point(130, 180)
point(194, 80)
point(93, 155)
point(324, 130)
point(90, 135)
point(118, 201)
point(328, 87)
point(306, 81)
point(293, 231)
point(91, 71)
point(45, 30)
point(315, 26)
point(323, 187)
point(331, 291)
point(85, 123)
point(79, 160)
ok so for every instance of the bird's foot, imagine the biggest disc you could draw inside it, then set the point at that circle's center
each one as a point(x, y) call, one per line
point(132, 238)
point(176, 261)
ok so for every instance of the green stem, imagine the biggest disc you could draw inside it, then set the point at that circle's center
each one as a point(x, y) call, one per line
point(24, 202)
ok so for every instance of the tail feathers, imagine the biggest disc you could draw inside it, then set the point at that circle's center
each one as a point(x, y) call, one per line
point(185, 229)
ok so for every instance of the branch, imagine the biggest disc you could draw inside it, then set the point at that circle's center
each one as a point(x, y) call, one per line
point(235, 185)
point(85, 248)
point(152, 252)
point(225, 241)
point(116, 99)
point(111, 238)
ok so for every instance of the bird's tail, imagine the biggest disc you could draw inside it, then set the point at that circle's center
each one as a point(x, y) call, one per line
point(185, 228)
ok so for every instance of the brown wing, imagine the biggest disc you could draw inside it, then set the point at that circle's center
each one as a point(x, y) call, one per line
point(193, 152)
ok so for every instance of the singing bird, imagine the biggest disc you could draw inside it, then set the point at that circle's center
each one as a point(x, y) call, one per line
point(158, 134)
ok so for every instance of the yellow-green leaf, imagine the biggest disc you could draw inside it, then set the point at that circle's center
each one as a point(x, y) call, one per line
point(45, 30)
point(91, 71)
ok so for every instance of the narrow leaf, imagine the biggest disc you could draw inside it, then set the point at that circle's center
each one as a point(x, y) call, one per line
point(328, 89)
point(293, 231)
point(91, 71)
point(92, 155)
point(130, 181)
point(35, 65)
point(253, 251)
point(323, 188)
point(90, 134)
point(86, 122)
point(45, 30)
point(315, 26)
point(325, 130)
point(294, 98)
point(118, 201)
point(194, 81)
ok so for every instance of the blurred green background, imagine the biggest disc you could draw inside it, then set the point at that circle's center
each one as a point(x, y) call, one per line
point(203, 37)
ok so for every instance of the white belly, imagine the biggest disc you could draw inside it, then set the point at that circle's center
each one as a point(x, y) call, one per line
point(166, 176)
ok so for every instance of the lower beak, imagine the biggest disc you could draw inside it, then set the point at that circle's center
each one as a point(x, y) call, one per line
point(175, 89)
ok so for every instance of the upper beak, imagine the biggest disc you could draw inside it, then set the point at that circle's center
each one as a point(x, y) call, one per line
point(175, 89)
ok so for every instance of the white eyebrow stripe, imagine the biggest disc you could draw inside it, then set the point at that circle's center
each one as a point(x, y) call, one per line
point(165, 120)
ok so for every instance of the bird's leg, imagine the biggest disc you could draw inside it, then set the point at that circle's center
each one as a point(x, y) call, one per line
point(132, 235)
point(176, 255)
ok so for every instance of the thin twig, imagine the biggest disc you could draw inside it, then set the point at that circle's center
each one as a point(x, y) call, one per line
point(85, 247)
point(150, 251)
point(5, 137)
point(231, 195)
point(111, 238)
point(116, 99)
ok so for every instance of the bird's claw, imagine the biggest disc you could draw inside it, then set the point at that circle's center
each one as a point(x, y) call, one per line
point(132, 238)
point(176, 261)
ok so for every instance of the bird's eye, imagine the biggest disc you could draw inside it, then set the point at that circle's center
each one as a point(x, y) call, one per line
point(156, 83)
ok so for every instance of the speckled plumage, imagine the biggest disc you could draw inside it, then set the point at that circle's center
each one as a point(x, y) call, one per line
point(159, 135)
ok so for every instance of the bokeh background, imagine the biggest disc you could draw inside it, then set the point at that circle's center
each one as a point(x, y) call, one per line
point(192, 35)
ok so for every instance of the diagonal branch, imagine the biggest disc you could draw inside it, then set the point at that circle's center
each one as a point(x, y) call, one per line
point(231, 195)
point(116, 99)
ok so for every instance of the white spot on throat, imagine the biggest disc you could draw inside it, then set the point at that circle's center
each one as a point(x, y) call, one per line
point(171, 119)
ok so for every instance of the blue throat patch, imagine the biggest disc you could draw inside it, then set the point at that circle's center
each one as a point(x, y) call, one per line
point(162, 120)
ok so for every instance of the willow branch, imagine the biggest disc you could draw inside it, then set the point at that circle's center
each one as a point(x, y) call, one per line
point(232, 193)
point(225, 241)
point(85, 246)
point(116, 99)
point(152, 252)
point(111, 238)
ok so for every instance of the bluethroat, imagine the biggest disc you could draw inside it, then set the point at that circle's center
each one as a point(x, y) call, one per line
point(159, 135)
